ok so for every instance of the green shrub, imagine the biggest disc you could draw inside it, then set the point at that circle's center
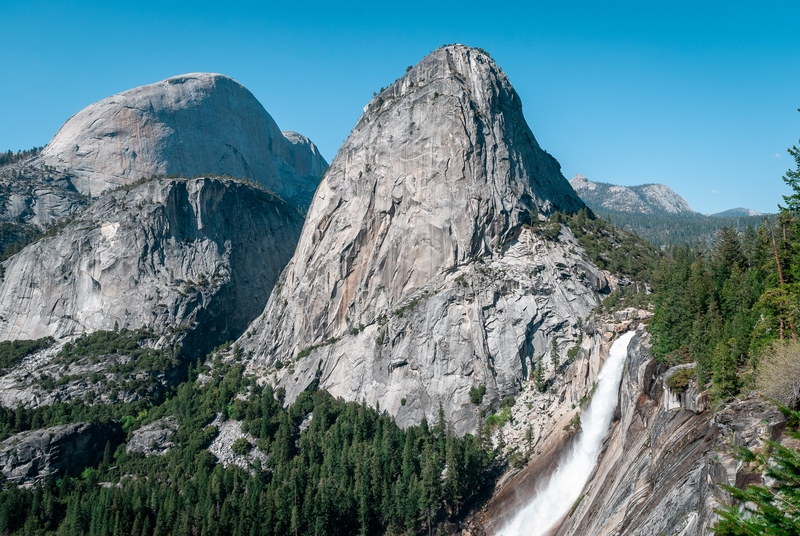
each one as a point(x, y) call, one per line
point(410, 305)
point(476, 394)
point(574, 424)
point(517, 460)
point(499, 419)
point(678, 382)
point(241, 446)
point(575, 505)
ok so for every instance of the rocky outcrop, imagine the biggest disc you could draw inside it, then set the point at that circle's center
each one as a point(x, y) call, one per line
point(415, 278)
point(222, 446)
point(661, 465)
point(154, 438)
point(542, 425)
point(188, 125)
point(31, 456)
point(35, 196)
point(643, 199)
point(195, 259)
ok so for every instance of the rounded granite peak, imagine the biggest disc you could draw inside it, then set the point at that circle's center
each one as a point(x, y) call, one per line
point(191, 124)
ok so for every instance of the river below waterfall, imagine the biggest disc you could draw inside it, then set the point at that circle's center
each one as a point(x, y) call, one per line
point(556, 498)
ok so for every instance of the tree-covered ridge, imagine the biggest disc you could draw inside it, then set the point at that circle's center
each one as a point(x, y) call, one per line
point(351, 471)
point(723, 305)
point(15, 236)
point(612, 248)
point(12, 352)
point(127, 367)
point(667, 229)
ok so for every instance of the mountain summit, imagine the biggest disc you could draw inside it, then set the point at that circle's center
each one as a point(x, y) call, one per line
point(383, 299)
point(187, 125)
point(642, 199)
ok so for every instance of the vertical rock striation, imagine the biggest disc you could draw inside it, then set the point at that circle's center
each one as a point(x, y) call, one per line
point(415, 277)
point(195, 257)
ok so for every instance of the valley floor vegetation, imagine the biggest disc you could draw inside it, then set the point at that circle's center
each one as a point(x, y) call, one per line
point(351, 471)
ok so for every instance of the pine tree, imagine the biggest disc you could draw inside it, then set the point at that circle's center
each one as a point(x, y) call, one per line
point(431, 484)
point(454, 483)
point(792, 179)
point(768, 510)
point(539, 380)
point(724, 371)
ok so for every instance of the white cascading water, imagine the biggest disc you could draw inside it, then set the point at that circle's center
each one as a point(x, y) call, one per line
point(565, 485)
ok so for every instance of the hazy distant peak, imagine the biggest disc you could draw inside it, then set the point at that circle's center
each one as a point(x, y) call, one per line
point(579, 182)
point(642, 199)
point(736, 213)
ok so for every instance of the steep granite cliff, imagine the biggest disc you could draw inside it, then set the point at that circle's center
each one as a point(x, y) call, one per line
point(188, 125)
point(36, 196)
point(29, 457)
point(662, 461)
point(199, 256)
point(416, 277)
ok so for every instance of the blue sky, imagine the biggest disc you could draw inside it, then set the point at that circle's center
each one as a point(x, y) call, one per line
point(701, 96)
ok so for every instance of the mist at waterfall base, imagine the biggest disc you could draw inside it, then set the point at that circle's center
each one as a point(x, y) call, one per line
point(553, 501)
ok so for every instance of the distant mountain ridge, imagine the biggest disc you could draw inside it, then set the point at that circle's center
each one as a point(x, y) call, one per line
point(736, 213)
point(657, 213)
point(642, 199)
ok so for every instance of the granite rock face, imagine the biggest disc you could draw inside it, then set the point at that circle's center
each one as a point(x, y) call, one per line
point(543, 425)
point(416, 277)
point(660, 467)
point(31, 195)
point(31, 456)
point(642, 199)
point(154, 438)
point(193, 258)
point(188, 125)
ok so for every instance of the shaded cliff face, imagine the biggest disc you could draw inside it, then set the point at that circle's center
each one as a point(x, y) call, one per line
point(414, 279)
point(198, 256)
point(198, 123)
point(30, 457)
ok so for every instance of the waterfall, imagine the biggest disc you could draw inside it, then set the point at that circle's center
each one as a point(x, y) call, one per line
point(553, 501)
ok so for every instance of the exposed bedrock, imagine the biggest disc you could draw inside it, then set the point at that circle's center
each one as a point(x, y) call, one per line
point(193, 258)
point(187, 125)
point(415, 277)
point(663, 459)
point(28, 457)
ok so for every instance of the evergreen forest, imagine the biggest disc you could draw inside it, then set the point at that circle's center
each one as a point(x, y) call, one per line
point(352, 470)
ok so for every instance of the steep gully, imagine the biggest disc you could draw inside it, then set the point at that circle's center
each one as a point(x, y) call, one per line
point(659, 467)
point(552, 502)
